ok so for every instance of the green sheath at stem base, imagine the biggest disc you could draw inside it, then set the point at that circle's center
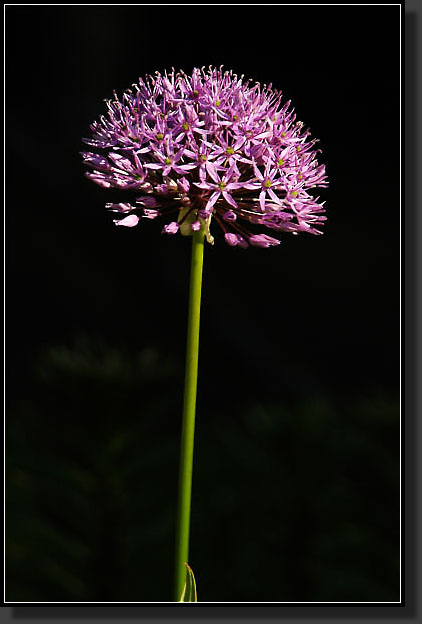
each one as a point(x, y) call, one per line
point(188, 424)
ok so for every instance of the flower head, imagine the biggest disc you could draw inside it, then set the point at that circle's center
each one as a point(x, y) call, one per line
point(208, 146)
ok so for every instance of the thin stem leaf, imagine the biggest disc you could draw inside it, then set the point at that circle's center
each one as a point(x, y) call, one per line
point(189, 590)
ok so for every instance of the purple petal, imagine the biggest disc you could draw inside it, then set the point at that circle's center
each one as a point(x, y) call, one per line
point(183, 185)
point(99, 179)
point(242, 242)
point(262, 200)
point(119, 207)
point(213, 172)
point(150, 214)
point(212, 200)
point(170, 228)
point(204, 214)
point(249, 185)
point(229, 216)
point(229, 199)
point(96, 161)
point(202, 185)
point(262, 240)
point(231, 239)
point(187, 167)
point(149, 202)
point(258, 174)
point(121, 162)
point(129, 221)
point(274, 196)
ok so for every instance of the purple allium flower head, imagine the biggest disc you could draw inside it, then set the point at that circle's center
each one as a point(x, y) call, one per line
point(208, 147)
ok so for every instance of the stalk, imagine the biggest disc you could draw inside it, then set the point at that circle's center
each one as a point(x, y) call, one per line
point(188, 422)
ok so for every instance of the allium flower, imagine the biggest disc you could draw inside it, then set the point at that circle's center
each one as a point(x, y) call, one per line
point(208, 146)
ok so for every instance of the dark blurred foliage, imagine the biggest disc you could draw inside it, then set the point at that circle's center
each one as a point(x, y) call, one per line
point(296, 477)
point(292, 500)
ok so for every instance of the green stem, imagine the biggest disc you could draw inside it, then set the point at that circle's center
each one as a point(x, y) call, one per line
point(188, 424)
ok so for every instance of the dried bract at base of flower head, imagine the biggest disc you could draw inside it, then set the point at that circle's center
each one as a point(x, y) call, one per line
point(205, 148)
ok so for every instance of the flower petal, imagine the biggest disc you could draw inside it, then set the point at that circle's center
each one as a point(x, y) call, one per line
point(262, 240)
point(170, 228)
point(129, 221)
point(231, 239)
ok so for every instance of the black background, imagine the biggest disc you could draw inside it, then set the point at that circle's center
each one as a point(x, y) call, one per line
point(295, 494)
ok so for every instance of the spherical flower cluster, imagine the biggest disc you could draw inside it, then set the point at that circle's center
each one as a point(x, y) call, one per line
point(205, 146)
